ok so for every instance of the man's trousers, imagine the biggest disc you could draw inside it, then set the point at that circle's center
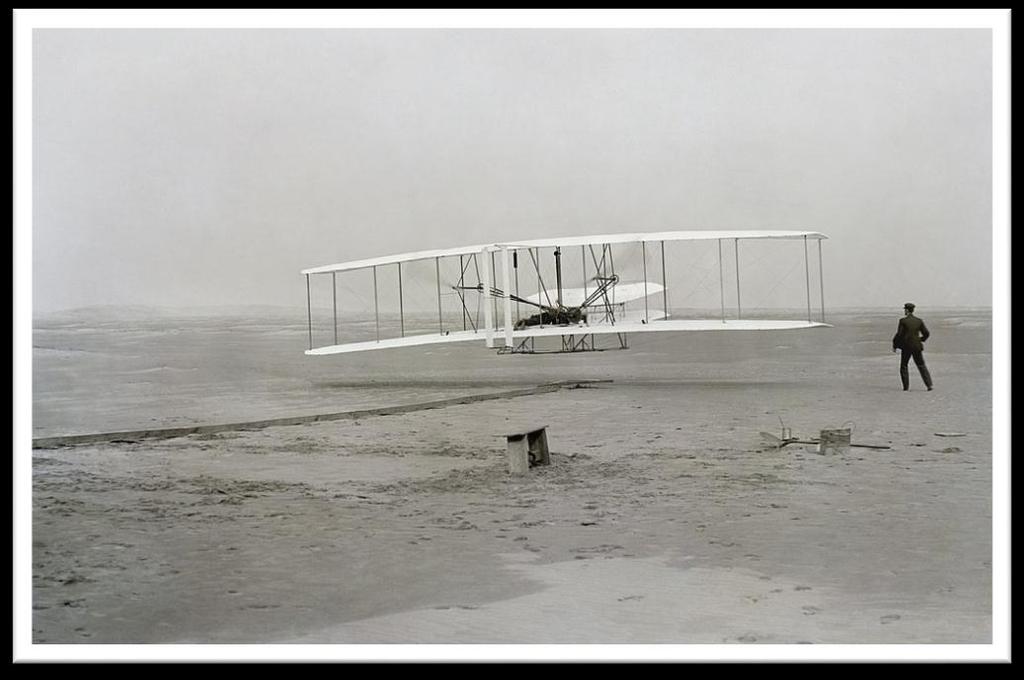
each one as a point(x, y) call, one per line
point(918, 356)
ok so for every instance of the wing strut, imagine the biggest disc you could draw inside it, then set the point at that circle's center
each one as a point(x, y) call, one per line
point(558, 276)
point(515, 268)
point(473, 321)
point(739, 309)
point(611, 263)
point(541, 288)
point(821, 282)
point(488, 307)
point(376, 307)
point(721, 279)
point(494, 302)
point(643, 255)
point(462, 298)
point(309, 313)
point(508, 298)
point(583, 252)
point(401, 306)
point(807, 276)
point(440, 319)
point(664, 281)
point(609, 312)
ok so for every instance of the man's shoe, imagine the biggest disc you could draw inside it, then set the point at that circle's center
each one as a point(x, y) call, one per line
point(930, 388)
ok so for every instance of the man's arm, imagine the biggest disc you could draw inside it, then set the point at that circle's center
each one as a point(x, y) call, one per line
point(924, 332)
point(897, 339)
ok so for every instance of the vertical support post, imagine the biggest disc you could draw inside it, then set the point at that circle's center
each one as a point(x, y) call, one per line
point(643, 255)
point(376, 307)
point(309, 313)
point(739, 307)
point(462, 276)
point(480, 298)
point(821, 282)
point(488, 309)
point(583, 252)
point(664, 281)
point(401, 306)
point(494, 300)
point(721, 279)
point(334, 291)
point(558, 277)
point(515, 267)
point(440, 319)
point(611, 263)
point(540, 299)
point(807, 278)
point(508, 301)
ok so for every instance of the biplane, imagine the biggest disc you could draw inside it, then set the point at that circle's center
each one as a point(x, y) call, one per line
point(569, 290)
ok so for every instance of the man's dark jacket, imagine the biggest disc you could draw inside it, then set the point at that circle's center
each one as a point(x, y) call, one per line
point(910, 334)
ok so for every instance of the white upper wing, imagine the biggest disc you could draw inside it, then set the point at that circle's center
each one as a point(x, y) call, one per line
point(653, 236)
point(568, 241)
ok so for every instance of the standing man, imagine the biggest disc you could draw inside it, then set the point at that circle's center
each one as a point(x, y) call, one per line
point(909, 339)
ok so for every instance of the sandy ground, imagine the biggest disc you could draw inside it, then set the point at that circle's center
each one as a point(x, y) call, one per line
point(662, 519)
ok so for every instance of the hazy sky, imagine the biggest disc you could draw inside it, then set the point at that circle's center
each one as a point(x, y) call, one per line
point(207, 167)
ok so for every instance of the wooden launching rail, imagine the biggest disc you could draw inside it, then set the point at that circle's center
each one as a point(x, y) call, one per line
point(132, 436)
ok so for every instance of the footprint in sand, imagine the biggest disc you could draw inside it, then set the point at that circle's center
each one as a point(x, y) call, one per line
point(802, 588)
point(603, 548)
point(810, 610)
point(889, 618)
point(630, 597)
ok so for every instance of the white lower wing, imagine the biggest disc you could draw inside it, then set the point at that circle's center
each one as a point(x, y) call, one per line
point(632, 322)
point(407, 341)
point(635, 325)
